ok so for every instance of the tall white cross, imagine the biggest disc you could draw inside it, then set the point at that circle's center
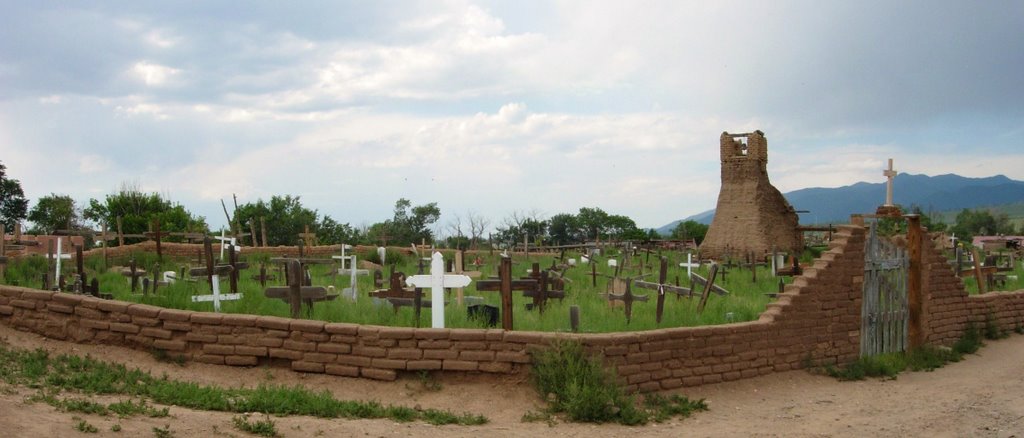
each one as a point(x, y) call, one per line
point(437, 281)
point(227, 240)
point(689, 265)
point(351, 292)
point(889, 173)
point(59, 256)
point(342, 257)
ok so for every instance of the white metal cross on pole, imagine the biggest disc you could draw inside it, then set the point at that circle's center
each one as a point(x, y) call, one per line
point(437, 281)
point(59, 256)
point(689, 265)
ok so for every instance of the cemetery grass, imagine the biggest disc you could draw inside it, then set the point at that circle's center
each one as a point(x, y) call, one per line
point(971, 285)
point(55, 376)
point(746, 301)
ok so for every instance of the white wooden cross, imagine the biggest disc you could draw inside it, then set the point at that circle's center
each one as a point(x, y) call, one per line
point(59, 256)
point(689, 265)
point(890, 174)
point(343, 258)
point(216, 297)
point(382, 253)
point(351, 292)
point(224, 241)
point(437, 281)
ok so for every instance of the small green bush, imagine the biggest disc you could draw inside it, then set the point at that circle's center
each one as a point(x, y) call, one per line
point(264, 427)
point(992, 329)
point(970, 341)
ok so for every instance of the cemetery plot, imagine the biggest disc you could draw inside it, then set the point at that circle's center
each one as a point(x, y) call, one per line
point(536, 298)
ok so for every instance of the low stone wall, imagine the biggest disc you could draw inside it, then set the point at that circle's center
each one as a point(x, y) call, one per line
point(816, 320)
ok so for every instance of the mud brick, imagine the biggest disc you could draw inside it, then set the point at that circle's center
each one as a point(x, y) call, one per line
point(712, 378)
point(467, 335)
point(471, 345)
point(37, 295)
point(298, 345)
point(59, 308)
point(246, 350)
point(218, 349)
point(119, 317)
point(440, 354)
point(94, 324)
point(496, 367)
point(305, 325)
point(277, 333)
point(239, 320)
point(417, 365)
point(231, 340)
point(177, 325)
point(616, 350)
point(269, 342)
point(215, 359)
point(334, 348)
point(6, 310)
point(404, 353)
point(649, 387)
point(315, 337)
point(366, 331)
point(431, 333)
point(284, 354)
point(86, 312)
point(319, 357)
point(241, 361)
point(143, 310)
point(124, 328)
point(344, 339)
point(387, 343)
point(485, 355)
point(512, 356)
point(206, 318)
point(82, 335)
point(24, 304)
point(434, 344)
point(143, 321)
point(671, 383)
point(392, 364)
point(273, 322)
point(200, 337)
point(378, 374)
point(68, 299)
point(407, 343)
point(357, 361)
point(174, 315)
point(524, 337)
point(459, 365)
point(113, 306)
point(307, 367)
point(341, 370)
point(369, 351)
point(168, 345)
point(395, 333)
point(336, 328)
point(154, 332)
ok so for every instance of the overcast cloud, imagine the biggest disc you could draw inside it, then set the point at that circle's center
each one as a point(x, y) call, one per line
point(499, 106)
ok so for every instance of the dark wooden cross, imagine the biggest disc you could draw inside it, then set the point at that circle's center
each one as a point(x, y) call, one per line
point(627, 298)
point(295, 294)
point(661, 286)
point(505, 285)
point(134, 273)
point(384, 237)
point(262, 277)
point(697, 281)
point(399, 296)
point(157, 236)
point(751, 263)
point(709, 286)
point(541, 293)
point(378, 278)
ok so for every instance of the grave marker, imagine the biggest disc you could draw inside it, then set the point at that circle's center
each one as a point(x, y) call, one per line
point(296, 293)
point(661, 286)
point(505, 285)
point(399, 296)
point(437, 281)
point(627, 298)
point(709, 286)
point(689, 265)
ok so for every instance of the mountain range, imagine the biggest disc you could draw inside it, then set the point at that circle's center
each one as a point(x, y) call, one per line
point(931, 193)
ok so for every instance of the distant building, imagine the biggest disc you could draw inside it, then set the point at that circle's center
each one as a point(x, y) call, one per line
point(995, 243)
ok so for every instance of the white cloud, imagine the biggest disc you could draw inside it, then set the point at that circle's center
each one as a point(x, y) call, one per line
point(153, 74)
point(93, 163)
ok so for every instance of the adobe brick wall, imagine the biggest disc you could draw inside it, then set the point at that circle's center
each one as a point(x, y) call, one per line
point(192, 249)
point(816, 319)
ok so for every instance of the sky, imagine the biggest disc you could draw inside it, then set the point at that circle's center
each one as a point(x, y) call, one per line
point(493, 108)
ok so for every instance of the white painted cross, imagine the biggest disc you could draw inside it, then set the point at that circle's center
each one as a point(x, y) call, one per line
point(689, 265)
point(437, 281)
point(224, 241)
point(382, 253)
point(343, 258)
point(59, 256)
point(351, 292)
point(216, 297)
point(890, 174)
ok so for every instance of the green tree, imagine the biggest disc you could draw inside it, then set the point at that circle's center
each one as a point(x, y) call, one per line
point(54, 212)
point(409, 224)
point(564, 229)
point(13, 205)
point(286, 217)
point(331, 231)
point(593, 221)
point(690, 229)
point(138, 210)
point(970, 223)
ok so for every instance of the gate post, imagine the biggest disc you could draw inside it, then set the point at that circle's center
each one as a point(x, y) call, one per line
point(914, 298)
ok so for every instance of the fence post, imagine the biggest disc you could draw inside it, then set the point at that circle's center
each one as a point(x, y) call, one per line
point(914, 296)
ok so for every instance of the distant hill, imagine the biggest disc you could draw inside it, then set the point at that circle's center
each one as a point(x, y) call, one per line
point(932, 193)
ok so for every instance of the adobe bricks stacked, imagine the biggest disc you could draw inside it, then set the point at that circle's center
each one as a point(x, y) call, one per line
point(751, 215)
point(816, 319)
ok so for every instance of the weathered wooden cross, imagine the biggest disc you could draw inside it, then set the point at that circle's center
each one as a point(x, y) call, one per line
point(296, 293)
point(709, 286)
point(437, 281)
point(661, 286)
point(544, 290)
point(399, 296)
point(506, 285)
point(309, 238)
point(157, 236)
point(627, 298)
point(133, 274)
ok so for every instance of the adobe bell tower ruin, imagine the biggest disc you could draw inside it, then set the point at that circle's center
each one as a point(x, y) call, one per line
point(752, 215)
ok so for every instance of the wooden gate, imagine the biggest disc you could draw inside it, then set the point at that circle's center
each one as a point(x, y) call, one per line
point(884, 315)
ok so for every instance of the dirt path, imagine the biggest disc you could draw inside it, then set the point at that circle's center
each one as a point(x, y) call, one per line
point(981, 396)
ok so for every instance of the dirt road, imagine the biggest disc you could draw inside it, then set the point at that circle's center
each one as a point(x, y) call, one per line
point(981, 396)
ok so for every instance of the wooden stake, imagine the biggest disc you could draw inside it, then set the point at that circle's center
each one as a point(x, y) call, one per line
point(120, 233)
point(263, 229)
point(574, 318)
point(252, 233)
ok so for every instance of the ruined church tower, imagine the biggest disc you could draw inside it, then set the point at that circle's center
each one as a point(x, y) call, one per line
point(752, 215)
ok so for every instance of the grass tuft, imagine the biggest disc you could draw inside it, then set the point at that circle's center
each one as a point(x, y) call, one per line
point(84, 427)
point(264, 427)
